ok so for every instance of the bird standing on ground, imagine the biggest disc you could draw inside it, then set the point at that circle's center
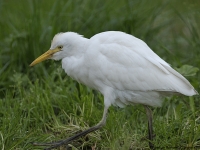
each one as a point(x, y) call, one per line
point(122, 67)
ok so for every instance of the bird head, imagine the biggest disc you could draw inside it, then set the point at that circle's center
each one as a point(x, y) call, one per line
point(63, 45)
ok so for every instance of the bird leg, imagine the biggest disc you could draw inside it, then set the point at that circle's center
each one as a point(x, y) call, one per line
point(150, 126)
point(68, 140)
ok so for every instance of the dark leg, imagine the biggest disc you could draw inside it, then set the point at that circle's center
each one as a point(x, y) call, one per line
point(67, 141)
point(150, 126)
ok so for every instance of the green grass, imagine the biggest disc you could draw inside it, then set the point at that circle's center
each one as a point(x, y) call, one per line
point(43, 104)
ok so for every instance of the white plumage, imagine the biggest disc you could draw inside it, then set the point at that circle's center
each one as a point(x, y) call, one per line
point(122, 67)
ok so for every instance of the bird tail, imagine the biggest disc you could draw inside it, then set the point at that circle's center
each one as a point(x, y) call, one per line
point(181, 84)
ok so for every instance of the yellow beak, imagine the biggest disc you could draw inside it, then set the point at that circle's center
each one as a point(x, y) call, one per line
point(44, 56)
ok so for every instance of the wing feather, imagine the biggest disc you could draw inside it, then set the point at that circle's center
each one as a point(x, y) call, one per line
point(129, 64)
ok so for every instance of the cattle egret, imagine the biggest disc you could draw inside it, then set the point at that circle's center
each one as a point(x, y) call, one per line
point(122, 67)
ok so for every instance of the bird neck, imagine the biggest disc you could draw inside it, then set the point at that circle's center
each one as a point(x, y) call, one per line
point(78, 47)
point(73, 64)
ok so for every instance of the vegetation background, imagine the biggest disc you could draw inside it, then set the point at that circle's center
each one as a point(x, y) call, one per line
point(43, 104)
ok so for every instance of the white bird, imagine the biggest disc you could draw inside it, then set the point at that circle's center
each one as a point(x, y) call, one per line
point(120, 66)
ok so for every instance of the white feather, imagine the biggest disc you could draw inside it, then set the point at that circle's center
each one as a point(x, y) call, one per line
point(122, 67)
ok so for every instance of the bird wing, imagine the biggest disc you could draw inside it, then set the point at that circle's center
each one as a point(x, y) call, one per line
point(127, 63)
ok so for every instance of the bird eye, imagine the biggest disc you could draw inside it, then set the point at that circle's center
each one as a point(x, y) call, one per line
point(60, 47)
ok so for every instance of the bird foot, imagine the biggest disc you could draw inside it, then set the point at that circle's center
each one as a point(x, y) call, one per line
point(53, 144)
point(76, 136)
point(153, 137)
point(147, 138)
